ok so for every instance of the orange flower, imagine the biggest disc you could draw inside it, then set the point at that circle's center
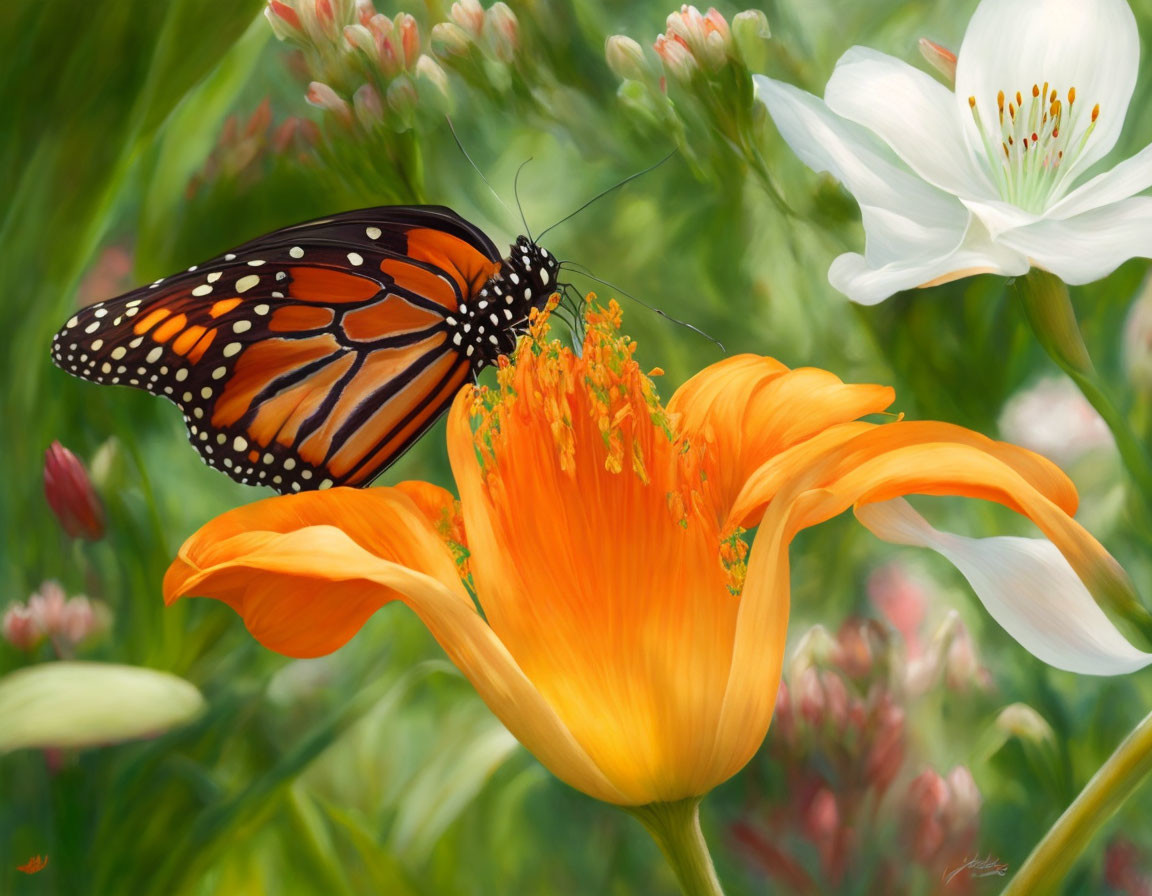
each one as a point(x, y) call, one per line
point(628, 638)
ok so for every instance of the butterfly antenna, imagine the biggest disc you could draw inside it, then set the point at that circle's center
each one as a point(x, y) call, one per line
point(604, 193)
point(572, 266)
point(463, 151)
point(516, 193)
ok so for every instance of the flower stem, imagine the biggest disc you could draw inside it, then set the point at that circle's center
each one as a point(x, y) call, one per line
point(1049, 310)
point(1115, 781)
point(676, 829)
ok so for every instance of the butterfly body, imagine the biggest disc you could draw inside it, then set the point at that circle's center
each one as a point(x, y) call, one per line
point(317, 354)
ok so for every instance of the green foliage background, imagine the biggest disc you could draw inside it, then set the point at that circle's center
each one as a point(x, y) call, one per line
point(377, 770)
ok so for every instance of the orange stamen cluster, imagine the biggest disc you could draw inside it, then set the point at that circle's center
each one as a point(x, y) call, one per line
point(734, 559)
point(547, 381)
point(450, 527)
point(1033, 136)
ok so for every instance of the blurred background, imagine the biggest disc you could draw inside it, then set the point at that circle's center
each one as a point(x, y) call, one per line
point(916, 748)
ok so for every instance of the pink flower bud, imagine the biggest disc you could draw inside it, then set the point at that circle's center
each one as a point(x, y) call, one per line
point(430, 73)
point(21, 628)
point(409, 35)
point(260, 119)
point(502, 32)
point(368, 105)
point(1124, 864)
point(940, 58)
point(469, 15)
point(963, 811)
point(706, 37)
point(284, 20)
point(901, 599)
point(783, 720)
point(361, 38)
point(822, 820)
point(853, 651)
point(48, 607)
point(449, 39)
point(750, 36)
point(84, 619)
point(677, 58)
point(323, 96)
point(923, 808)
point(364, 11)
point(626, 58)
point(886, 755)
point(70, 494)
point(402, 96)
point(809, 696)
point(835, 701)
point(962, 668)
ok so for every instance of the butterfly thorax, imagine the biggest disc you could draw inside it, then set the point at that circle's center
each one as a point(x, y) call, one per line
point(489, 325)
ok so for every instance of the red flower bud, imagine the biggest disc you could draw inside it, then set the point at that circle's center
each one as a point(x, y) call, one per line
point(21, 628)
point(70, 494)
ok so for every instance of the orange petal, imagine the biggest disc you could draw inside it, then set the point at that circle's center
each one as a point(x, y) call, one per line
point(304, 586)
point(751, 408)
point(305, 605)
point(614, 605)
point(839, 446)
point(439, 506)
point(858, 464)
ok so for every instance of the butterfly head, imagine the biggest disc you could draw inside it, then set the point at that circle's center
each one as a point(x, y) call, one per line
point(491, 323)
point(535, 269)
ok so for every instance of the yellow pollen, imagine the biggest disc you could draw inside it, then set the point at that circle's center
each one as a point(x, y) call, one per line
point(999, 100)
point(1095, 112)
point(1052, 98)
point(1019, 100)
point(1071, 95)
point(971, 102)
point(1036, 90)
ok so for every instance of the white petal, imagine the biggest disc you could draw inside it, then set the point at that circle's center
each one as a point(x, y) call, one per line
point(911, 112)
point(1091, 45)
point(1088, 246)
point(909, 225)
point(1132, 176)
point(998, 216)
point(853, 155)
point(973, 253)
point(1027, 586)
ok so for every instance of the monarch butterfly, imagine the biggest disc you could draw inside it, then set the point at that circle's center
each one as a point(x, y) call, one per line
point(317, 354)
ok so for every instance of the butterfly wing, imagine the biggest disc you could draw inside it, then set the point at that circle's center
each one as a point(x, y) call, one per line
point(310, 357)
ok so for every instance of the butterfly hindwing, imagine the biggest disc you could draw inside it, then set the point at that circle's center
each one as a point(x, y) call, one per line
point(309, 357)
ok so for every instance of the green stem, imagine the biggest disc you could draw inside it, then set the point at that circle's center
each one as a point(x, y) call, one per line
point(1049, 310)
point(1115, 781)
point(676, 829)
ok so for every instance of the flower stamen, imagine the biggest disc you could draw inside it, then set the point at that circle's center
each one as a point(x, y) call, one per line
point(1028, 148)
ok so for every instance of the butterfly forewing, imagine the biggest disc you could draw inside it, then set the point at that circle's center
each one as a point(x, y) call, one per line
point(310, 357)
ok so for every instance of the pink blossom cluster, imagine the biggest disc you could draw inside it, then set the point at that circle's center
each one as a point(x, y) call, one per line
point(51, 614)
